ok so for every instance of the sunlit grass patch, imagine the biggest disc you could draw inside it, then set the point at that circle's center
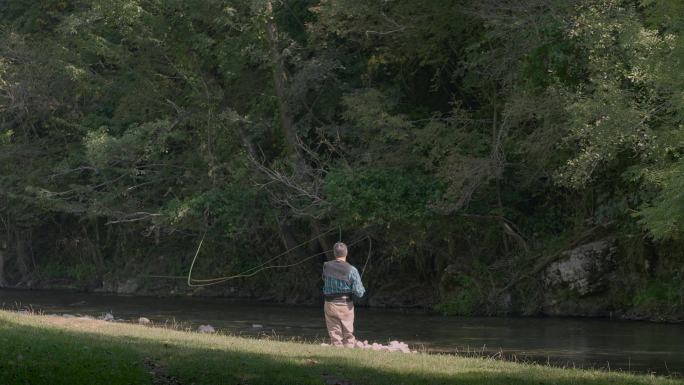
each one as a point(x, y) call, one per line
point(55, 350)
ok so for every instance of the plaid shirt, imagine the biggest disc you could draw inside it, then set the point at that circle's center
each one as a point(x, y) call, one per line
point(336, 286)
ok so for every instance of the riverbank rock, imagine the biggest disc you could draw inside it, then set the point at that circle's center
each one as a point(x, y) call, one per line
point(206, 329)
point(107, 317)
point(574, 283)
point(144, 321)
point(130, 286)
point(110, 285)
point(582, 269)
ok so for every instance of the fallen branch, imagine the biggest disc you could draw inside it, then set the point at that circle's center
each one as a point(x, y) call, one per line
point(555, 256)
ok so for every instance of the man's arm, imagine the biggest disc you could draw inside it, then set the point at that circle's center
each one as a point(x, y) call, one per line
point(357, 285)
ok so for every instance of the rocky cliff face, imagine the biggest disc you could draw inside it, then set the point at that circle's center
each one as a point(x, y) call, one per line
point(575, 283)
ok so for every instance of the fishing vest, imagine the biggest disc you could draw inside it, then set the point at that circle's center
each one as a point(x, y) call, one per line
point(337, 270)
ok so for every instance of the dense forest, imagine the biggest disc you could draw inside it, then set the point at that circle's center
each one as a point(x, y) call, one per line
point(502, 156)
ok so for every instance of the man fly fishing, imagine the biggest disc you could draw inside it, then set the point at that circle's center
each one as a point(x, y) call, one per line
point(341, 281)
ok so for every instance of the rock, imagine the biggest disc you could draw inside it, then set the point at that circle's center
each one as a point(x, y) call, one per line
point(583, 269)
point(257, 326)
point(112, 285)
point(144, 321)
point(594, 306)
point(108, 286)
point(107, 317)
point(576, 283)
point(504, 303)
point(24, 312)
point(128, 287)
point(206, 329)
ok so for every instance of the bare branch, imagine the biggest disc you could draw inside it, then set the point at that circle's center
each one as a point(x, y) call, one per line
point(136, 217)
point(302, 193)
point(397, 27)
point(65, 172)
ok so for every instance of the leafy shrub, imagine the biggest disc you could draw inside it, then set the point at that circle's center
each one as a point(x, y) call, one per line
point(661, 296)
point(379, 195)
point(56, 269)
point(464, 300)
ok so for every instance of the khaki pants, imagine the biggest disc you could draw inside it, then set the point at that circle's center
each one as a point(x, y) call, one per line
point(339, 318)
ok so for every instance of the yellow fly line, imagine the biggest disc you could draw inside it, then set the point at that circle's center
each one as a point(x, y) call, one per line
point(195, 282)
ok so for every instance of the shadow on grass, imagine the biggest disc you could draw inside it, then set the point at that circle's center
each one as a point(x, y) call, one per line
point(37, 355)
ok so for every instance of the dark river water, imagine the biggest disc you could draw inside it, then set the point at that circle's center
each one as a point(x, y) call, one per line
point(588, 343)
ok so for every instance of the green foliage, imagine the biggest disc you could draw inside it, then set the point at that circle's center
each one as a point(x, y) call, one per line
point(135, 124)
point(462, 300)
point(379, 196)
point(59, 269)
point(664, 215)
point(618, 109)
point(661, 296)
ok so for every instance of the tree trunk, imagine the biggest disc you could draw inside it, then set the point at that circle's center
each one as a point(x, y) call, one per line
point(22, 259)
point(280, 85)
point(3, 281)
point(290, 241)
point(322, 241)
point(95, 247)
point(4, 245)
point(286, 119)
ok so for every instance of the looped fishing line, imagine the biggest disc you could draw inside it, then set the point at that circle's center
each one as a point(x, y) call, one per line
point(370, 247)
point(194, 282)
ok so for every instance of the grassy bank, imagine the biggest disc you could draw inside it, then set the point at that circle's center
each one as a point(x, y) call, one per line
point(55, 350)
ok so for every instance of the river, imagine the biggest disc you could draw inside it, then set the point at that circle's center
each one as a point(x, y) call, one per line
point(588, 343)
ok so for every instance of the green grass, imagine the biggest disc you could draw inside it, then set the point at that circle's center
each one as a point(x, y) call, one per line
point(54, 350)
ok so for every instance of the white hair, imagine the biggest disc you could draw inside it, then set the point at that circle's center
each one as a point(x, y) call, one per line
point(340, 250)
